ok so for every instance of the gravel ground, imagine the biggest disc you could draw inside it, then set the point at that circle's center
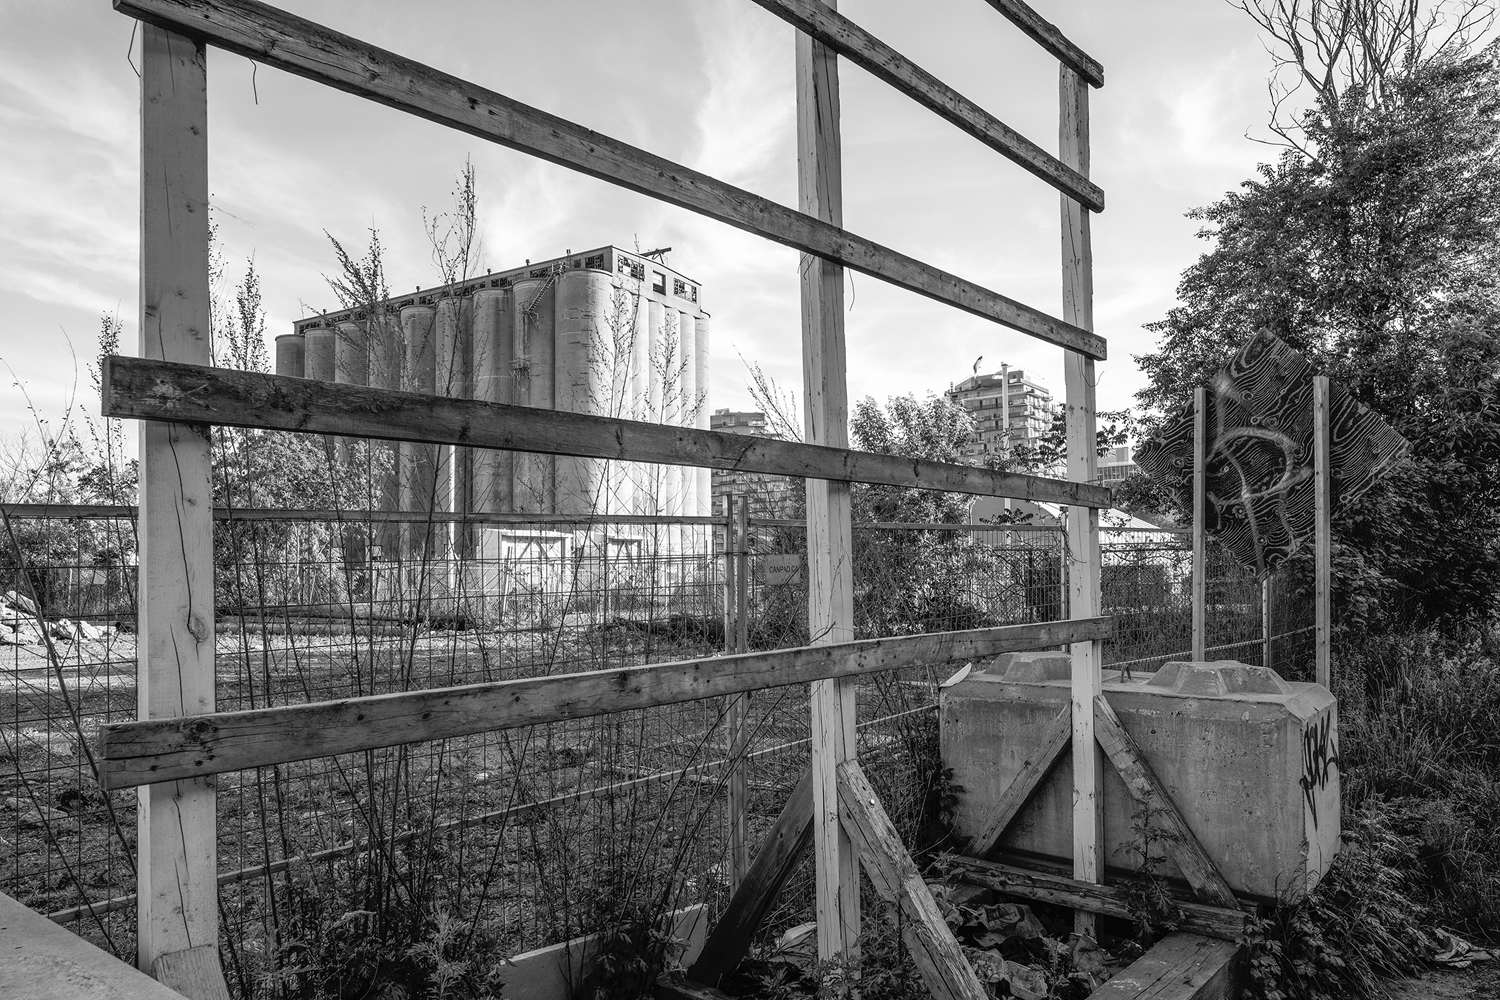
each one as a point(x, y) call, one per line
point(1478, 982)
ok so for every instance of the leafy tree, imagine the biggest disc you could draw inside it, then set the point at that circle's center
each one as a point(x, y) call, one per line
point(1371, 245)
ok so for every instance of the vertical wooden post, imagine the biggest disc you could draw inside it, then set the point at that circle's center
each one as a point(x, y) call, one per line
point(736, 535)
point(178, 894)
point(742, 577)
point(1323, 535)
point(1083, 466)
point(729, 568)
point(830, 582)
point(1200, 505)
point(1266, 659)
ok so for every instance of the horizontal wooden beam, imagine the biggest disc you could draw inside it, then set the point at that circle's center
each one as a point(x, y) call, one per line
point(348, 515)
point(139, 753)
point(1045, 34)
point(305, 48)
point(1107, 900)
point(854, 43)
point(159, 390)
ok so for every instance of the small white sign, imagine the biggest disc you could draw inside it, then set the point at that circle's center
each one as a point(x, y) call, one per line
point(777, 570)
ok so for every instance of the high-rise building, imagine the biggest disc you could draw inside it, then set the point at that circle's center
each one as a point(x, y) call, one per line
point(763, 488)
point(989, 397)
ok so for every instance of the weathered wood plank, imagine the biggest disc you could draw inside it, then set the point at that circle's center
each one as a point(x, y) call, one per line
point(830, 579)
point(774, 863)
point(275, 38)
point(351, 515)
point(177, 899)
point(932, 945)
point(1200, 533)
point(1084, 573)
point(137, 753)
point(148, 390)
point(736, 640)
point(1105, 900)
point(863, 49)
point(1197, 867)
point(1046, 34)
point(1033, 770)
point(1181, 966)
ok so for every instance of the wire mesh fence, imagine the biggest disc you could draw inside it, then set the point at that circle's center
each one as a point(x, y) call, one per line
point(401, 862)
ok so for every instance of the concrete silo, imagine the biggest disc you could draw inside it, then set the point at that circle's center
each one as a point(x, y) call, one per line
point(493, 338)
point(351, 355)
point(318, 356)
point(290, 354)
point(420, 491)
point(535, 325)
point(605, 332)
point(582, 378)
point(701, 359)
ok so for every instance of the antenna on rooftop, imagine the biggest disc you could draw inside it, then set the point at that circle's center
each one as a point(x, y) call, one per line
point(659, 255)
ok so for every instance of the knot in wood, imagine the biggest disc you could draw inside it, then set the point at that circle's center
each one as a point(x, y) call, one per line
point(200, 730)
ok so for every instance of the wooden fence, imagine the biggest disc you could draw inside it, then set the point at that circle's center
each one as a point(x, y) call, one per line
point(180, 742)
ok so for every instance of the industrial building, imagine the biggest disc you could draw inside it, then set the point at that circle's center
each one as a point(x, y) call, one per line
point(1117, 465)
point(607, 331)
point(1009, 409)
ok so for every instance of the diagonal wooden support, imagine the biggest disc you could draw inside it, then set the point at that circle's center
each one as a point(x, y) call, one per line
point(1197, 867)
point(933, 947)
point(1033, 771)
point(773, 865)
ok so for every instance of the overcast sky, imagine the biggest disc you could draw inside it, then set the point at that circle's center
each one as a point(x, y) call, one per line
point(706, 82)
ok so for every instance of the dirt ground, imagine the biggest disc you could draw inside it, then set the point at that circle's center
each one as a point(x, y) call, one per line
point(1478, 982)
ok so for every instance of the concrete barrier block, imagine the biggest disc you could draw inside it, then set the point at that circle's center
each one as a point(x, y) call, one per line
point(1250, 759)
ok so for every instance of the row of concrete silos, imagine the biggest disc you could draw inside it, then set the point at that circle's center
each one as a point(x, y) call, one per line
point(577, 340)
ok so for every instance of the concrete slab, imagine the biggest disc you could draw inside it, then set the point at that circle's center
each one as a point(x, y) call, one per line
point(41, 961)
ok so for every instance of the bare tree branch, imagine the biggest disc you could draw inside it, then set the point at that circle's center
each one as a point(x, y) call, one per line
point(1327, 51)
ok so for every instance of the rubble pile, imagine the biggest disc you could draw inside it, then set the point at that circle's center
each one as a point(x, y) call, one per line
point(22, 625)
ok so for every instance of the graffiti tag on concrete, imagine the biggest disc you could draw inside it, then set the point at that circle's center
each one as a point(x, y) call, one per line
point(1320, 759)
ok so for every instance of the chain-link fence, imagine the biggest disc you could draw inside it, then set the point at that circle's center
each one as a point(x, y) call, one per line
point(502, 842)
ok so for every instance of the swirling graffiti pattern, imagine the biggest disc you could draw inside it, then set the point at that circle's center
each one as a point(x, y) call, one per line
point(1259, 465)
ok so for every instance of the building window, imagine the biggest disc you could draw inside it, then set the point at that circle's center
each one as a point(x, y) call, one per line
point(597, 260)
point(633, 268)
point(659, 282)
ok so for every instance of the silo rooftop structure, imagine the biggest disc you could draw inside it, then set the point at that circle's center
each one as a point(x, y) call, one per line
point(606, 331)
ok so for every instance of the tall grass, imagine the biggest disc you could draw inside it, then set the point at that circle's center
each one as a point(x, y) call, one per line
point(1420, 759)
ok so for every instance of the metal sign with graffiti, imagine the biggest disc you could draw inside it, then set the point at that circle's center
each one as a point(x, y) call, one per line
point(1259, 454)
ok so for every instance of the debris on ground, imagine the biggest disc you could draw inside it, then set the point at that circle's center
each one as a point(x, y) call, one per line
point(1448, 949)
